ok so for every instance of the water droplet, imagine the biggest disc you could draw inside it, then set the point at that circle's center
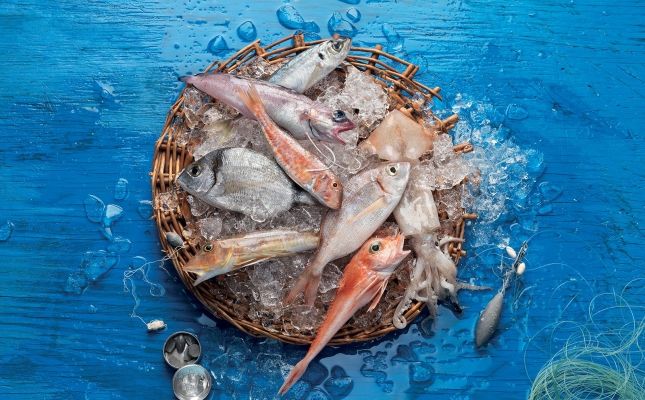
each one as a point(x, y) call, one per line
point(121, 189)
point(549, 192)
point(94, 208)
point(394, 40)
point(316, 373)
point(290, 18)
point(145, 208)
point(76, 283)
point(421, 374)
point(92, 309)
point(339, 384)
point(217, 46)
point(120, 245)
point(337, 24)
point(353, 14)
point(317, 394)
point(246, 31)
point(112, 213)
point(105, 90)
point(404, 354)
point(310, 36)
point(95, 264)
point(545, 210)
point(5, 231)
point(516, 112)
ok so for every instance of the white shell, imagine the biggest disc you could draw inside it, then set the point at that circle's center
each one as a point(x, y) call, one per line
point(155, 325)
point(511, 252)
point(520, 269)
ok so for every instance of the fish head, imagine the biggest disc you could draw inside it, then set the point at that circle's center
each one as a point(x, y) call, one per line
point(328, 124)
point(198, 178)
point(211, 260)
point(393, 177)
point(333, 51)
point(330, 189)
point(384, 253)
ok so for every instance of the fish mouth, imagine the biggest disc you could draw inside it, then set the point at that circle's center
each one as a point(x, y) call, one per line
point(400, 253)
point(343, 127)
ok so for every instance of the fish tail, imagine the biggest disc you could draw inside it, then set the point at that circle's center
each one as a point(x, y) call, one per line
point(294, 375)
point(307, 283)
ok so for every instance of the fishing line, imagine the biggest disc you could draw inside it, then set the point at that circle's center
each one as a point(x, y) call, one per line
point(156, 290)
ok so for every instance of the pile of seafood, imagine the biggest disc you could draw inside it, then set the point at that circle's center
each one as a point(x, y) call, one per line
point(313, 200)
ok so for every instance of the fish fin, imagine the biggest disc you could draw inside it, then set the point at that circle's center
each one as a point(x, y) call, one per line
point(378, 296)
point(251, 99)
point(308, 283)
point(380, 202)
point(294, 375)
point(204, 277)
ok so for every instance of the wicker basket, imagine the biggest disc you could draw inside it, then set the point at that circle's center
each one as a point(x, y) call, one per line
point(169, 159)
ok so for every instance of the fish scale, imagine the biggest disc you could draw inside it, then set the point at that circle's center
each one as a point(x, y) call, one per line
point(242, 180)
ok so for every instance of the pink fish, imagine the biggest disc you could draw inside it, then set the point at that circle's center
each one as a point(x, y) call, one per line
point(363, 282)
point(302, 167)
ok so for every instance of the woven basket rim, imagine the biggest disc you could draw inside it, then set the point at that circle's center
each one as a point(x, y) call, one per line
point(170, 158)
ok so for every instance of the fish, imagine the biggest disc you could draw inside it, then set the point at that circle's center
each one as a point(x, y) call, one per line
point(309, 67)
point(226, 255)
point(302, 117)
point(242, 180)
point(303, 168)
point(369, 198)
point(363, 282)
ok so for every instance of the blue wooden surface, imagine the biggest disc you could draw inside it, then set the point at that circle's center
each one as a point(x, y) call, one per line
point(85, 90)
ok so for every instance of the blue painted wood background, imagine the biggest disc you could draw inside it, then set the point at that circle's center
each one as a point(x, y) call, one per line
point(84, 92)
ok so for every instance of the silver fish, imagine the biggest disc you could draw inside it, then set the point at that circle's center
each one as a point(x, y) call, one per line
point(309, 67)
point(242, 180)
point(293, 111)
point(368, 199)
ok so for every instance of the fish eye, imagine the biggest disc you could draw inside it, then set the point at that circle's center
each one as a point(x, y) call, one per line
point(208, 247)
point(339, 116)
point(391, 170)
point(334, 184)
point(375, 247)
point(321, 55)
point(336, 45)
point(195, 170)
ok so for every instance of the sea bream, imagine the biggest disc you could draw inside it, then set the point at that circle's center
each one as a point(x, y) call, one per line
point(363, 282)
point(230, 254)
point(309, 67)
point(242, 180)
point(304, 168)
point(369, 198)
point(293, 111)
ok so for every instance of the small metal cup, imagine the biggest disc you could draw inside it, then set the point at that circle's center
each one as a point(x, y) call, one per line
point(192, 382)
point(182, 348)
